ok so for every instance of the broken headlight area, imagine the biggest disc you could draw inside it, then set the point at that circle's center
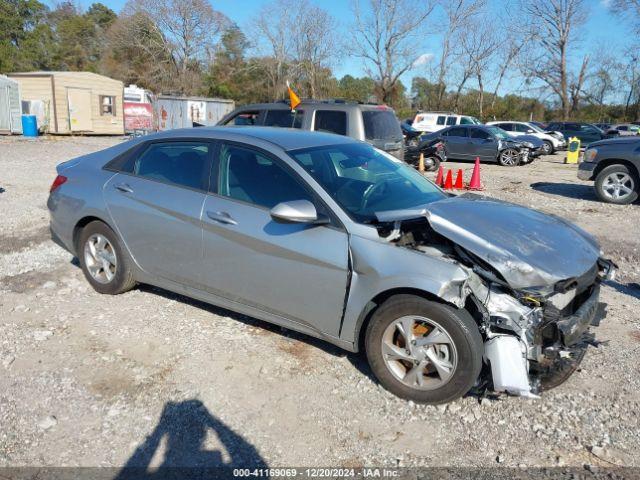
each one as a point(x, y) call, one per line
point(535, 339)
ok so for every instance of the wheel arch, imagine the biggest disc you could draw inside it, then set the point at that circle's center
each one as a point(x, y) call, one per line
point(80, 224)
point(602, 164)
point(373, 304)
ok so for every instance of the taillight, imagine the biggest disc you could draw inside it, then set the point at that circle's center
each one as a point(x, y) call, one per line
point(60, 179)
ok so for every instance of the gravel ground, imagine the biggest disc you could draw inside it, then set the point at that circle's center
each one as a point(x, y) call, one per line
point(151, 378)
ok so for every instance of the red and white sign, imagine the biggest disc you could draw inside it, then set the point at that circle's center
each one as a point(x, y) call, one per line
point(138, 116)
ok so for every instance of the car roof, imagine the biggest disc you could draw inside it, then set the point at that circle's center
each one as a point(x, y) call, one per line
point(286, 138)
point(318, 104)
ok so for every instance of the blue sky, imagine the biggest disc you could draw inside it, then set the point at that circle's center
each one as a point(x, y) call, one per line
point(602, 29)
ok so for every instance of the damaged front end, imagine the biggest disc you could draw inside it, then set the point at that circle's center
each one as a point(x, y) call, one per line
point(533, 301)
point(535, 340)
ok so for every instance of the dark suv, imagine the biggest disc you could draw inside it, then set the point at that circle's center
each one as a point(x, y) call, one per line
point(374, 124)
point(614, 165)
point(586, 132)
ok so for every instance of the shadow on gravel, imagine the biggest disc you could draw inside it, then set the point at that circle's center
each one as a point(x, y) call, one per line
point(631, 289)
point(568, 190)
point(247, 320)
point(181, 434)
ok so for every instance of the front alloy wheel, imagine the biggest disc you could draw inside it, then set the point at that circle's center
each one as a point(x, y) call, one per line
point(617, 184)
point(509, 157)
point(423, 350)
point(547, 147)
point(419, 352)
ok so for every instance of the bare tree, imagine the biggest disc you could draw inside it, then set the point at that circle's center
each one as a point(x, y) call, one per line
point(190, 29)
point(628, 10)
point(313, 42)
point(272, 25)
point(553, 24)
point(458, 13)
point(479, 46)
point(386, 35)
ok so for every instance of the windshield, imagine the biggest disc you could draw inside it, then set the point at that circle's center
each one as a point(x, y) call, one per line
point(364, 180)
point(470, 121)
point(499, 133)
point(381, 125)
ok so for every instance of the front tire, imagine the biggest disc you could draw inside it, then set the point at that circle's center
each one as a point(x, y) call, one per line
point(617, 184)
point(509, 157)
point(423, 351)
point(103, 262)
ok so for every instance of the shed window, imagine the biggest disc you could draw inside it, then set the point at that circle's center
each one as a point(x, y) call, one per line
point(107, 105)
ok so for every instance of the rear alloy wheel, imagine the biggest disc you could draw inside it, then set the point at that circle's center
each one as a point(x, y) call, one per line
point(547, 147)
point(509, 157)
point(423, 351)
point(617, 184)
point(103, 261)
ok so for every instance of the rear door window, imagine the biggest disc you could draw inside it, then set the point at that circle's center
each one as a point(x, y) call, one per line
point(381, 125)
point(332, 121)
point(284, 118)
point(182, 163)
point(456, 132)
point(451, 121)
point(478, 133)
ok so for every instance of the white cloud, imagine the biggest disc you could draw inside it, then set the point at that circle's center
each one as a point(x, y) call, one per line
point(423, 59)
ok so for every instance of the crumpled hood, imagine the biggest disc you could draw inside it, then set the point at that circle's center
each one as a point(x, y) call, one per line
point(527, 247)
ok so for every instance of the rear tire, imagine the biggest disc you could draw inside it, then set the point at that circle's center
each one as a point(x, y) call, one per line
point(617, 184)
point(443, 369)
point(547, 148)
point(103, 261)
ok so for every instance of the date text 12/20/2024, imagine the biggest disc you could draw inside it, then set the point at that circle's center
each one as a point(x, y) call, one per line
point(316, 472)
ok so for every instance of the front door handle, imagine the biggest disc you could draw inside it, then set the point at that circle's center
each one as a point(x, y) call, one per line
point(123, 187)
point(222, 217)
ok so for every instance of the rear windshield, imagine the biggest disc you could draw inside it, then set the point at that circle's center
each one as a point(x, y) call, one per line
point(284, 118)
point(381, 124)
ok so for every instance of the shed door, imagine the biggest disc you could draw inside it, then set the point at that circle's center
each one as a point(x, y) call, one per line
point(5, 116)
point(79, 109)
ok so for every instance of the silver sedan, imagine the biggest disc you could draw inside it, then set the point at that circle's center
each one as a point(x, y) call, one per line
point(331, 237)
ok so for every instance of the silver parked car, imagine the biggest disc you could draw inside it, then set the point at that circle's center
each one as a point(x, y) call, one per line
point(329, 236)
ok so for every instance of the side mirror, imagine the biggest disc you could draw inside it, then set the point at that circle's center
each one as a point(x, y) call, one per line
point(530, 130)
point(297, 211)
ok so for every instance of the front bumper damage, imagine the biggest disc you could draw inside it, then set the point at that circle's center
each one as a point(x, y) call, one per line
point(528, 340)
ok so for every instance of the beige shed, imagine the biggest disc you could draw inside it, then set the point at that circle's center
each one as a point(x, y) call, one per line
point(73, 102)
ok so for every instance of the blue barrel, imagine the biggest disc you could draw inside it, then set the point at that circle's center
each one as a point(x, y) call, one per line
point(29, 126)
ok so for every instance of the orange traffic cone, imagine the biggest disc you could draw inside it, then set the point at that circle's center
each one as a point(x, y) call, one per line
point(448, 183)
point(475, 184)
point(440, 176)
point(459, 185)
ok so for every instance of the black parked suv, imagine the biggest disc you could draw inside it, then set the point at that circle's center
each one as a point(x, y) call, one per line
point(375, 124)
point(586, 132)
point(614, 165)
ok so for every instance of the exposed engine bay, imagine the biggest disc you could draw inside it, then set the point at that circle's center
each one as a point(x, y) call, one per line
point(534, 337)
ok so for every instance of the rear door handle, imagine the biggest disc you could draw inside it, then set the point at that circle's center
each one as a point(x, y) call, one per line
point(222, 217)
point(123, 187)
